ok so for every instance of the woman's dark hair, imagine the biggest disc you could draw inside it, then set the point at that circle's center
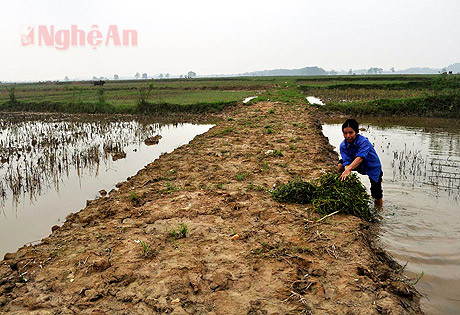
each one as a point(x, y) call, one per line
point(352, 123)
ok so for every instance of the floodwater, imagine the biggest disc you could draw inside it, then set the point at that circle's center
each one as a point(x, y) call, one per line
point(50, 165)
point(421, 214)
point(314, 100)
point(247, 99)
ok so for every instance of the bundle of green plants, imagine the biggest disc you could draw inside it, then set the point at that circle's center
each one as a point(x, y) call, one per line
point(348, 196)
point(328, 194)
point(297, 191)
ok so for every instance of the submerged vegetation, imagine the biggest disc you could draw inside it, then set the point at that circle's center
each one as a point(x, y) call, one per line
point(328, 194)
point(37, 154)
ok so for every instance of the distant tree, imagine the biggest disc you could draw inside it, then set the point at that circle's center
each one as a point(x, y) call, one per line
point(66, 78)
point(144, 75)
point(191, 74)
point(101, 78)
point(137, 75)
point(375, 70)
point(333, 72)
point(167, 75)
point(181, 76)
point(95, 78)
point(350, 72)
point(116, 77)
point(392, 69)
point(161, 76)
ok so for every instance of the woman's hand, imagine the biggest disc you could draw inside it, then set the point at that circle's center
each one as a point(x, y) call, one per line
point(351, 167)
point(345, 173)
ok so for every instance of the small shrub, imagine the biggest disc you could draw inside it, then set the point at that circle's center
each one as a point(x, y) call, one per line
point(251, 186)
point(134, 199)
point(170, 188)
point(144, 94)
point(277, 153)
point(146, 251)
point(12, 94)
point(101, 96)
point(181, 232)
point(241, 176)
point(266, 166)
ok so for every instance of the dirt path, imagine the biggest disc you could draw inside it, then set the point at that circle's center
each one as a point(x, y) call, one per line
point(243, 254)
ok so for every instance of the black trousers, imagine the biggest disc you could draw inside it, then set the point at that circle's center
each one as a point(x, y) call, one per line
point(376, 188)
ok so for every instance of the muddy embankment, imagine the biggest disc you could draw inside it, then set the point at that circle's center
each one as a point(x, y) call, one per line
point(243, 252)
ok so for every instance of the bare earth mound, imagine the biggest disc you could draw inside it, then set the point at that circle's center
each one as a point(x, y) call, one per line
point(243, 252)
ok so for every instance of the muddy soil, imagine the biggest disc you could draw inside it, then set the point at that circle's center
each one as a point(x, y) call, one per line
point(243, 252)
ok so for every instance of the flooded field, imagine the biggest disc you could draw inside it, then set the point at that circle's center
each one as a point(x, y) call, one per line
point(421, 214)
point(51, 164)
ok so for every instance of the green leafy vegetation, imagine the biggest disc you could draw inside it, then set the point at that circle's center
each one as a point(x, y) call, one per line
point(425, 95)
point(139, 96)
point(348, 196)
point(297, 191)
point(241, 176)
point(134, 199)
point(170, 188)
point(181, 232)
point(146, 251)
point(429, 95)
point(435, 105)
point(328, 194)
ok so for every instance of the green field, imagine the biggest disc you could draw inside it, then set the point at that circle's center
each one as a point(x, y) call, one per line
point(425, 95)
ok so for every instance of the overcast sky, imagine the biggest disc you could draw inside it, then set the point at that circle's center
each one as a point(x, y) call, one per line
point(228, 37)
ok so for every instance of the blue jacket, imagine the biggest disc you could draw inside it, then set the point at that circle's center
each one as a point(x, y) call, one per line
point(362, 147)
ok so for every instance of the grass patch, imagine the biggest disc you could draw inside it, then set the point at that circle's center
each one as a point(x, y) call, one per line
point(145, 247)
point(435, 105)
point(277, 153)
point(134, 199)
point(223, 132)
point(241, 176)
point(181, 232)
point(170, 188)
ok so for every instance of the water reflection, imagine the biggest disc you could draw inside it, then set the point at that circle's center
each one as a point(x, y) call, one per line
point(421, 216)
point(37, 154)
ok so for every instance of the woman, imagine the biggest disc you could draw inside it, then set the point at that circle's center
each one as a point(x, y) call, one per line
point(359, 155)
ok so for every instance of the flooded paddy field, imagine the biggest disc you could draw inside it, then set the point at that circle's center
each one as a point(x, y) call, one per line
point(420, 224)
point(51, 164)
